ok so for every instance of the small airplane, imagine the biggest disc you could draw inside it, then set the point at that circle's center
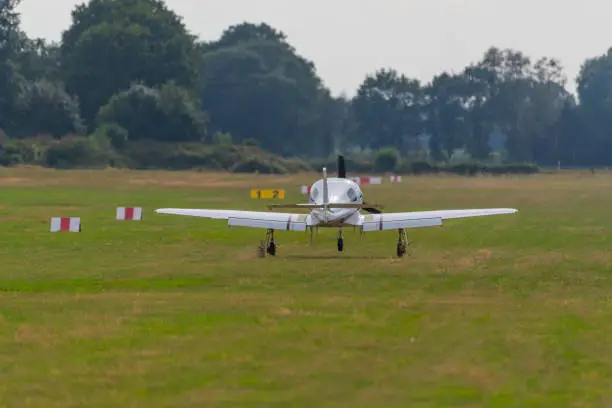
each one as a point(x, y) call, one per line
point(334, 202)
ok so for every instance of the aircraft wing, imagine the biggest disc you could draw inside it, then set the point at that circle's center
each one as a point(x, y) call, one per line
point(417, 219)
point(253, 219)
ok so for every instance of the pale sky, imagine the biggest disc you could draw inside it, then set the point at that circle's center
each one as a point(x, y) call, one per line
point(347, 39)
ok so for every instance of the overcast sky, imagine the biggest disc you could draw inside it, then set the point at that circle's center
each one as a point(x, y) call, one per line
point(347, 39)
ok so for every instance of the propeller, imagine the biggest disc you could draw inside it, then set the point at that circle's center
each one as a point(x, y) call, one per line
point(341, 167)
point(342, 174)
point(371, 210)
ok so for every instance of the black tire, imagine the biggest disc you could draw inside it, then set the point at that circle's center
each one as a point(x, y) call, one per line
point(272, 249)
point(340, 245)
point(401, 250)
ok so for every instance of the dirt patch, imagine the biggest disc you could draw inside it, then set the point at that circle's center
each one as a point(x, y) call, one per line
point(474, 259)
point(12, 219)
point(195, 183)
point(475, 374)
point(534, 260)
point(14, 181)
point(250, 253)
point(286, 312)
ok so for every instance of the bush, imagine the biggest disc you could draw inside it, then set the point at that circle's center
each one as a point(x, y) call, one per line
point(45, 107)
point(294, 165)
point(221, 138)
point(258, 165)
point(417, 167)
point(521, 168)
point(13, 153)
point(386, 159)
point(171, 156)
point(24, 151)
point(166, 113)
point(250, 142)
point(466, 169)
point(78, 152)
point(117, 135)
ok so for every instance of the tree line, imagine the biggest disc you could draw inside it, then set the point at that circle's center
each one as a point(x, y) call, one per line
point(128, 84)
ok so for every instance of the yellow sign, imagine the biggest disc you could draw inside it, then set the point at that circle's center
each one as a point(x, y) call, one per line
point(268, 194)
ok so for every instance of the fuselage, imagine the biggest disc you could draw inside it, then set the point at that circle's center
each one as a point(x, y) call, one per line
point(339, 191)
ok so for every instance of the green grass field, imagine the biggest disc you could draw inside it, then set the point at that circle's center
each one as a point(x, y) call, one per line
point(502, 311)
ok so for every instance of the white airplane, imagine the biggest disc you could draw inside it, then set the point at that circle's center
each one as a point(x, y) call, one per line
point(334, 202)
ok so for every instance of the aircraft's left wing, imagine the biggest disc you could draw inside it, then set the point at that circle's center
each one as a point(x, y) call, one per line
point(253, 219)
point(416, 219)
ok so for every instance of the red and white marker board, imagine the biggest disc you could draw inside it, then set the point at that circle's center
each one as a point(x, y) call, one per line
point(129, 213)
point(306, 189)
point(367, 180)
point(396, 179)
point(65, 224)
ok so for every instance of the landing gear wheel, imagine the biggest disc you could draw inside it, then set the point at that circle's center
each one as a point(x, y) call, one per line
point(340, 245)
point(402, 242)
point(271, 248)
point(267, 246)
point(401, 250)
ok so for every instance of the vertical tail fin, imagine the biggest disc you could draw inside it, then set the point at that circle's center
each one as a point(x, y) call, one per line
point(325, 193)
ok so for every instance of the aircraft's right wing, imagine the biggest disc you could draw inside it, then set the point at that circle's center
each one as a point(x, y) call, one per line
point(417, 219)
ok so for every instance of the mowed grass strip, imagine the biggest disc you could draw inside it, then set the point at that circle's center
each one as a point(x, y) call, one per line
point(178, 311)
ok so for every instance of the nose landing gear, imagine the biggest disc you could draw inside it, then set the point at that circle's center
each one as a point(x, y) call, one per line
point(340, 240)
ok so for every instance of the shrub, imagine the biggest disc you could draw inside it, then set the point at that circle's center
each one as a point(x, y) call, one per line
point(12, 153)
point(166, 113)
point(45, 107)
point(521, 168)
point(418, 167)
point(171, 156)
point(78, 152)
point(24, 151)
point(250, 142)
point(258, 165)
point(466, 169)
point(386, 159)
point(221, 138)
point(117, 135)
point(295, 165)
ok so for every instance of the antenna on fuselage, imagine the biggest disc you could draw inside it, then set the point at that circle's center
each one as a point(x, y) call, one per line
point(325, 193)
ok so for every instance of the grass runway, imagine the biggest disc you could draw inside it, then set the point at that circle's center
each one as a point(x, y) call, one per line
point(501, 311)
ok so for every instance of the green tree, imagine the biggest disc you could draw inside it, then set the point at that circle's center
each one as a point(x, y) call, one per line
point(386, 159)
point(517, 98)
point(254, 85)
point(10, 81)
point(111, 45)
point(44, 107)
point(447, 115)
point(38, 59)
point(595, 93)
point(165, 113)
point(388, 110)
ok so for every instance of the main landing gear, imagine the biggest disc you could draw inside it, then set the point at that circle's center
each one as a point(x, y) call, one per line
point(269, 246)
point(402, 242)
